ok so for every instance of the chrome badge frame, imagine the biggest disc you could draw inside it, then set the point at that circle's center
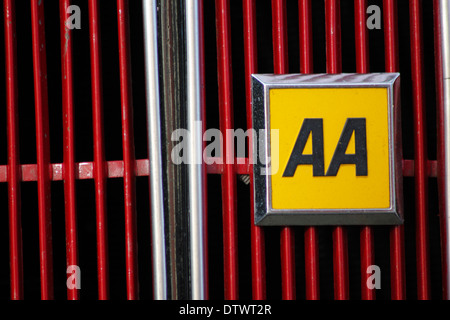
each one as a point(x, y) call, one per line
point(265, 214)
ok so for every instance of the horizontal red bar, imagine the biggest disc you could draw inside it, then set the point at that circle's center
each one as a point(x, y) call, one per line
point(431, 167)
point(84, 170)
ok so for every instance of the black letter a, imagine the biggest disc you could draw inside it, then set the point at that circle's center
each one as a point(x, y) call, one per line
point(358, 125)
point(315, 127)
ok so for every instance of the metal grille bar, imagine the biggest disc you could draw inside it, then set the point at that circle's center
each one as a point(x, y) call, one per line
point(115, 169)
point(229, 174)
point(43, 147)
point(69, 145)
point(99, 152)
point(128, 151)
point(196, 110)
point(422, 244)
point(154, 147)
point(13, 169)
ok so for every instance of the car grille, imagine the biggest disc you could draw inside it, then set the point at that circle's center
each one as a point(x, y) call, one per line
point(75, 163)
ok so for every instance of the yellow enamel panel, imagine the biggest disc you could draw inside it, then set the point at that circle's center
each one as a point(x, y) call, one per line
point(288, 110)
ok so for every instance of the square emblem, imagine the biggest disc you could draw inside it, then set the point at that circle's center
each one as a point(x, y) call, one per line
point(328, 150)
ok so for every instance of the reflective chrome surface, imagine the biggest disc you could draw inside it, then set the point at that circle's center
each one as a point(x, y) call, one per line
point(195, 152)
point(154, 149)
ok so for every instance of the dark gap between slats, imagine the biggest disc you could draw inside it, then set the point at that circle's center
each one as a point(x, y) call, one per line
point(111, 82)
point(410, 238)
point(27, 132)
point(59, 240)
point(87, 238)
point(215, 222)
point(429, 78)
point(30, 231)
point(3, 108)
point(4, 244)
point(215, 239)
point(53, 51)
point(404, 47)
point(82, 95)
point(434, 241)
point(116, 239)
point(138, 79)
point(144, 239)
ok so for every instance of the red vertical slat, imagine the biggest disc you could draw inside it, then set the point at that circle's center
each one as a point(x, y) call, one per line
point(69, 145)
point(398, 285)
point(128, 151)
point(420, 147)
point(280, 55)
point(99, 153)
point(334, 65)
point(362, 66)
point(43, 147)
point(257, 233)
point(15, 224)
point(361, 37)
point(333, 36)
point(311, 237)
point(229, 174)
point(306, 47)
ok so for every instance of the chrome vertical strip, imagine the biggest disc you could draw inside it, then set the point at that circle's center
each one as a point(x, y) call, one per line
point(444, 11)
point(154, 149)
point(195, 173)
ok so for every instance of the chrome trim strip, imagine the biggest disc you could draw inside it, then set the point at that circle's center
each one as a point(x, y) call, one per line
point(444, 11)
point(154, 149)
point(195, 152)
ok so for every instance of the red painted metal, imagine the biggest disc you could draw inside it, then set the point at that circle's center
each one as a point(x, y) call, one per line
point(305, 29)
point(362, 66)
point(13, 168)
point(115, 169)
point(367, 259)
point(398, 285)
point(280, 57)
point(229, 203)
point(422, 243)
point(257, 233)
point(128, 151)
point(361, 37)
point(69, 145)
point(311, 236)
point(99, 153)
point(43, 147)
point(431, 168)
point(440, 124)
point(334, 65)
point(333, 36)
